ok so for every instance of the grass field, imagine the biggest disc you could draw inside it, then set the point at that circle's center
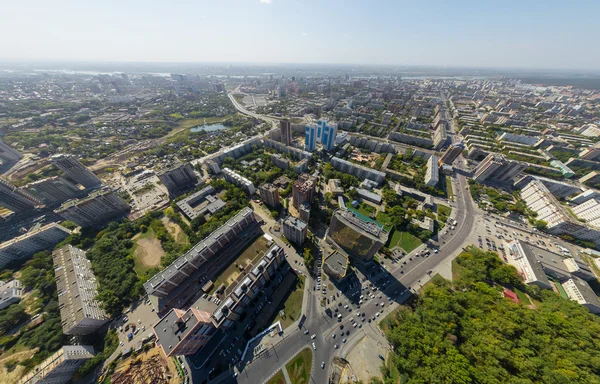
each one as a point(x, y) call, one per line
point(405, 240)
point(277, 379)
point(147, 251)
point(523, 297)
point(300, 367)
point(292, 307)
point(444, 210)
point(449, 191)
point(384, 219)
point(455, 270)
point(363, 208)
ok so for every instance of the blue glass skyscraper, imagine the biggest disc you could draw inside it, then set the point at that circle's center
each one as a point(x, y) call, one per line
point(328, 135)
point(310, 137)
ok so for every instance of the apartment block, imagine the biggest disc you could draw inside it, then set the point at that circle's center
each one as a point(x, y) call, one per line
point(592, 178)
point(497, 168)
point(285, 127)
point(178, 178)
point(359, 238)
point(8, 153)
point(239, 180)
point(585, 196)
point(10, 293)
point(432, 175)
point(280, 161)
point(97, 208)
point(303, 190)
point(80, 312)
point(326, 134)
point(16, 199)
point(60, 367)
point(589, 211)
point(295, 230)
point(357, 170)
point(183, 332)
point(76, 171)
point(170, 278)
point(39, 238)
point(53, 190)
point(440, 137)
point(269, 194)
point(452, 153)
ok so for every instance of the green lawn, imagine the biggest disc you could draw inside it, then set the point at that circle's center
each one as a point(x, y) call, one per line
point(449, 191)
point(277, 379)
point(444, 210)
point(523, 297)
point(293, 304)
point(363, 208)
point(300, 367)
point(385, 219)
point(455, 270)
point(562, 291)
point(405, 240)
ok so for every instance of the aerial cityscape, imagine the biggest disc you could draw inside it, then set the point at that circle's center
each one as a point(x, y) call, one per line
point(338, 217)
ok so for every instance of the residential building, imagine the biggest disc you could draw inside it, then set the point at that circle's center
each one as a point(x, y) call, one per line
point(8, 153)
point(497, 168)
point(357, 170)
point(170, 278)
point(310, 137)
point(280, 161)
point(269, 194)
point(60, 367)
point(95, 209)
point(304, 212)
point(15, 199)
point(295, 230)
point(178, 178)
point(271, 267)
point(10, 293)
point(202, 203)
point(213, 166)
point(239, 180)
point(432, 175)
point(589, 211)
point(585, 196)
point(39, 238)
point(182, 332)
point(452, 153)
point(581, 292)
point(303, 190)
point(286, 131)
point(592, 178)
point(80, 312)
point(334, 186)
point(76, 171)
point(301, 166)
point(53, 190)
point(328, 133)
point(355, 235)
point(591, 153)
point(440, 137)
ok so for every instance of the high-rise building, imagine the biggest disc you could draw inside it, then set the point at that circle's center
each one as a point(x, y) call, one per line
point(432, 175)
point(310, 137)
point(76, 171)
point(37, 239)
point(269, 194)
point(453, 151)
point(440, 137)
point(303, 190)
point(328, 134)
point(295, 230)
point(359, 238)
point(80, 312)
point(97, 208)
point(497, 168)
point(16, 199)
point(285, 127)
point(60, 367)
point(178, 178)
point(8, 153)
point(183, 332)
point(53, 190)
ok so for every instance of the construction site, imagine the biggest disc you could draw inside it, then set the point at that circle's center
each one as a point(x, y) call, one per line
point(148, 367)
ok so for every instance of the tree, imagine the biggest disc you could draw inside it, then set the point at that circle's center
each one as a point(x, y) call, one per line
point(352, 193)
point(540, 224)
point(309, 259)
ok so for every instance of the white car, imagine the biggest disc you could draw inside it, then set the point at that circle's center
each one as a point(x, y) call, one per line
point(314, 336)
point(314, 347)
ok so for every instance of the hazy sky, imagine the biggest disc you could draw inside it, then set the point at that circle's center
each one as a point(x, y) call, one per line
point(483, 33)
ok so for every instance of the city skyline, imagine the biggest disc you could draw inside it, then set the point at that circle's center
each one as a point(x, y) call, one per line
point(445, 34)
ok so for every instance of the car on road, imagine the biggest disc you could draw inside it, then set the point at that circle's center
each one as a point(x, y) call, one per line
point(314, 336)
point(323, 365)
point(314, 346)
point(344, 340)
point(306, 331)
point(333, 336)
point(335, 346)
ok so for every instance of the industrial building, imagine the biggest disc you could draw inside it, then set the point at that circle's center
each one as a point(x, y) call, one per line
point(76, 171)
point(170, 278)
point(60, 367)
point(95, 209)
point(80, 312)
point(39, 238)
point(358, 237)
point(178, 178)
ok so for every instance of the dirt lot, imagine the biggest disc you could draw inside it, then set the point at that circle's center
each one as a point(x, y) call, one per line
point(364, 359)
point(13, 377)
point(175, 231)
point(145, 368)
point(148, 251)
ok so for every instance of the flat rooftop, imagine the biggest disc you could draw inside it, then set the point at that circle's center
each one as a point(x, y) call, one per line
point(337, 262)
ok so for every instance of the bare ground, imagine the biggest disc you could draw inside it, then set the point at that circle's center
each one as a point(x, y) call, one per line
point(148, 252)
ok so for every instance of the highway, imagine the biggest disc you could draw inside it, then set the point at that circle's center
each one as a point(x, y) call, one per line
point(396, 283)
